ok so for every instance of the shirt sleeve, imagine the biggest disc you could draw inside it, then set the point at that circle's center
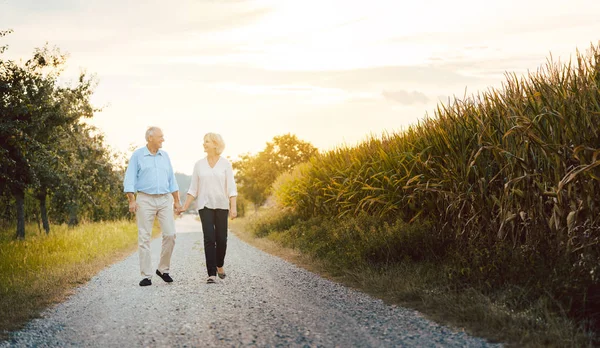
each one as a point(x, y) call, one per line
point(194, 185)
point(231, 187)
point(131, 174)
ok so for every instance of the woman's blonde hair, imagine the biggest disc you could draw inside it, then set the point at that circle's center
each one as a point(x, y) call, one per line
point(217, 140)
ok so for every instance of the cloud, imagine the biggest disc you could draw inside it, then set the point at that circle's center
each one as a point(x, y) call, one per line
point(127, 21)
point(493, 67)
point(406, 98)
point(228, 18)
point(374, 80)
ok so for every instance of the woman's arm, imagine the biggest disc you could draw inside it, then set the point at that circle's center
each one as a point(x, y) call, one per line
point(188, 200)
point(231, 191)
point(233, 207)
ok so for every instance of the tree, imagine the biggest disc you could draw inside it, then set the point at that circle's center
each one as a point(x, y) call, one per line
point(256, 173)
point(91, 185)
point(28, 109)
point(44, 146)
point(49, 166)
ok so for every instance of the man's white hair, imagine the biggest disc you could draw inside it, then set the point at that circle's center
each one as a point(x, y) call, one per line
point(150, 131)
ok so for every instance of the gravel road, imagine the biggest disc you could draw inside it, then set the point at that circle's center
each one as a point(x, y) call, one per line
point(264, 301)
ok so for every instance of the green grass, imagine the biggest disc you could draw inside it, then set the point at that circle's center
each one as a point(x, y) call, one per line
point(43, 269)
point(492, 315)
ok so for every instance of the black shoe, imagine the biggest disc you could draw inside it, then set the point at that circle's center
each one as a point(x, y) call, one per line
point(145, 282)
point(165, 276)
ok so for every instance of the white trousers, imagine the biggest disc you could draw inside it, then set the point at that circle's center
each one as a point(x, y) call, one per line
point(150, 207)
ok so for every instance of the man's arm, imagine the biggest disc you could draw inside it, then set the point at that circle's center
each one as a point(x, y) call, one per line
point(130, 180)
point(173, 187)
point(129, 183)
point(132, 203)
point(176, 201)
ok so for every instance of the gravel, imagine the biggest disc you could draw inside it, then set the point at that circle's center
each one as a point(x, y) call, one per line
point(264, 301)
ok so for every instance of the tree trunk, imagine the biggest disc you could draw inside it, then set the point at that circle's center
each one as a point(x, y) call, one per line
point(20, 198)
point(37, 219)
point(44, 211)
point(73, 220)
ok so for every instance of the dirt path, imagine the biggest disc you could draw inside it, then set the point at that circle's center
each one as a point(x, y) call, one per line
point(264, 301)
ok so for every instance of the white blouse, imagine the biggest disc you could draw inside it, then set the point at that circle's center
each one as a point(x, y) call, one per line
point(212, 187)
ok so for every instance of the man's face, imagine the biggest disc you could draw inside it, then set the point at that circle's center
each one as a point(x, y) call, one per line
point(156, 139)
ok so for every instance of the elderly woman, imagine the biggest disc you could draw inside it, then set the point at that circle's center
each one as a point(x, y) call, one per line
point(215, 192)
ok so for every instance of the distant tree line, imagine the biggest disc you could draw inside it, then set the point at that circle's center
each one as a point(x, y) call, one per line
point(255, 174)
point(48, 155)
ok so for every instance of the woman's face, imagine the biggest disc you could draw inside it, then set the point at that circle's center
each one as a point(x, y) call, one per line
point(208, 145)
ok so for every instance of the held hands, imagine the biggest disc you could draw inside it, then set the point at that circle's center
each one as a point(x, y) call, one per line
point(178, 209)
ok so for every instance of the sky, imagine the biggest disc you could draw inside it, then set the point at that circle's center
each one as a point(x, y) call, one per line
point(331, 72)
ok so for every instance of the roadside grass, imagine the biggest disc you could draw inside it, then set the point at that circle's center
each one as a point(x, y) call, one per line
point(44, 269)
point(504, 315)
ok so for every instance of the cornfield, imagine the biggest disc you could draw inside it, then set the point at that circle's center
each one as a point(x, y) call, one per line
point(519, 165)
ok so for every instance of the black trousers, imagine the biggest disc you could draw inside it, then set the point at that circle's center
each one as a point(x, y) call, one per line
point(214, 227)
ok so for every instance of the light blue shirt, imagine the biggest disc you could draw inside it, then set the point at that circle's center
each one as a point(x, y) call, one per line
point(148, 173)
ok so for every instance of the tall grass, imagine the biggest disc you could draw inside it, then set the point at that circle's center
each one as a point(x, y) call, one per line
point(43, 268)
point(508, 179)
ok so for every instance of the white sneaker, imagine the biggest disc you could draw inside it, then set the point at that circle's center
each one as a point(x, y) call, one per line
point(211, 280)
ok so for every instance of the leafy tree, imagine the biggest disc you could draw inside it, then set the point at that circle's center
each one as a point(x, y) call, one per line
point(91, 187)
point(47, 150)
point(28, 111)
point(256, 173)
point(51, 169)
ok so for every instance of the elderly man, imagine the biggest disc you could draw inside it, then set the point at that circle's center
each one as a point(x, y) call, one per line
point(150, 175)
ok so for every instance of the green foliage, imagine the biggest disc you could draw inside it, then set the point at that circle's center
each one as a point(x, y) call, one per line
point(241, 205)
point(355, 239)
point(47, 151)
point(256, 173)
point(92, 187)
point(273, 221)
point(509, 179)
point(29, 111)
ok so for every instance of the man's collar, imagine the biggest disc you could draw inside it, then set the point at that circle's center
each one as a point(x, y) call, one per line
point(148, 153)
